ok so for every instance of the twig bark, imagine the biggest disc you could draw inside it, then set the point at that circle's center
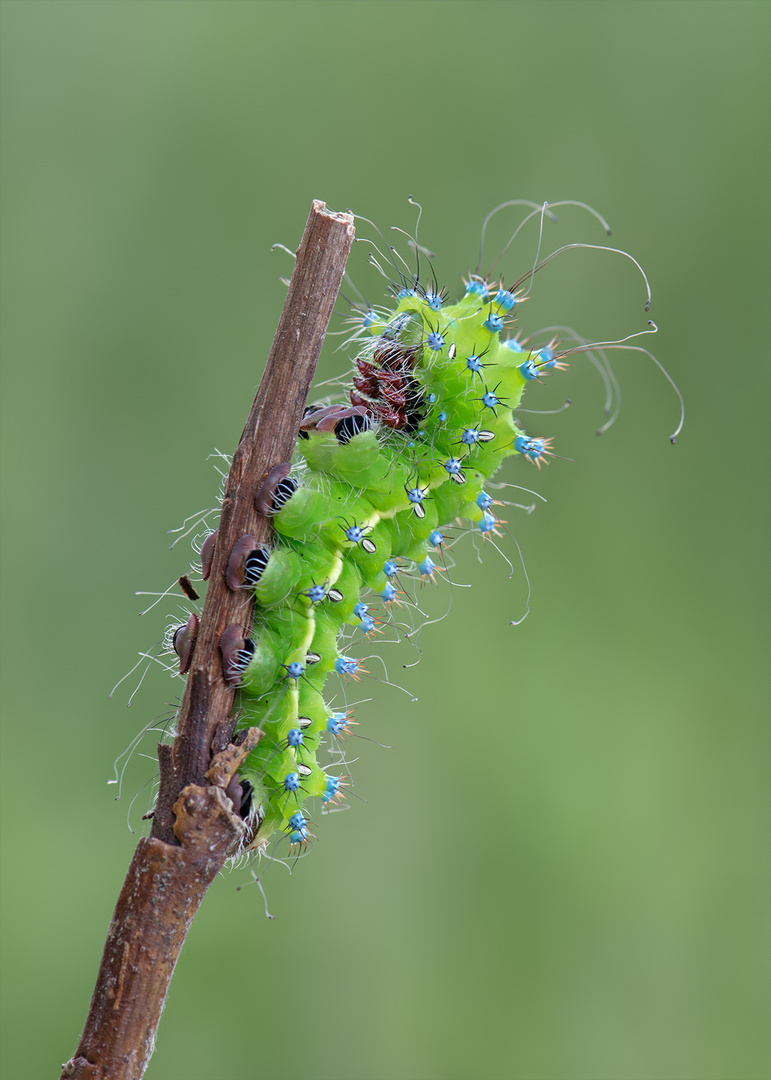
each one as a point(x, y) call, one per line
point(194, 827)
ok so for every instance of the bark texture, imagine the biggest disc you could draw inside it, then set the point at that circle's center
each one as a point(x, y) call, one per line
point(195, 829)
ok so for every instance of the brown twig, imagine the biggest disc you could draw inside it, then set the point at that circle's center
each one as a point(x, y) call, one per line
point(194, 827)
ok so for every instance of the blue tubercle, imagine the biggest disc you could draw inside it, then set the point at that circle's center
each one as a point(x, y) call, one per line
point(453, 466)
point(426, 567)
point(477, 288)
point(347, 665)
point(435, 341)
point(336, 723)
point(331, 788)
point(534, 450)
point(298, 828)
point(505, 299)
point(295, 670)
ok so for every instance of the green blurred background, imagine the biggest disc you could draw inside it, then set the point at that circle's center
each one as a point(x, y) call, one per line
point(561, 869)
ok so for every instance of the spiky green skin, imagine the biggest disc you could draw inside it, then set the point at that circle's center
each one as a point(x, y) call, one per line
point(365, 481)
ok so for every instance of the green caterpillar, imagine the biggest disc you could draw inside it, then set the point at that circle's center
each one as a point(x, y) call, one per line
point(372, 484)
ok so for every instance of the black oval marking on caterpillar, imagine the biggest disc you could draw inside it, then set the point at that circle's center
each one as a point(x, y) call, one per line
point(247, 798)
point(285, 489)
point(207, 554)
point(236, 651)
point(183, 642)
point(303, 770)
point(304, 722)
point(335, 595)
point(186, 586)
point(276, 489)
point(236, 573)
point(255, 565)
point(349, 426)
point(312, 658)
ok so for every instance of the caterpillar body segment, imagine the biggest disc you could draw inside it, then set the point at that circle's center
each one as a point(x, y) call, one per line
point(379, 485)
point(373, 483)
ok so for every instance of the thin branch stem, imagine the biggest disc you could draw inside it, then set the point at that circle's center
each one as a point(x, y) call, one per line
point(194, 827)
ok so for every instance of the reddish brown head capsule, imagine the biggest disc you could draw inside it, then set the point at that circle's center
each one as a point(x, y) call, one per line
point(395, 395)
point(236, 571)
point(184, 642)
point(368, 370)
point(366, 385)
point(207, 554)
point(266, 494)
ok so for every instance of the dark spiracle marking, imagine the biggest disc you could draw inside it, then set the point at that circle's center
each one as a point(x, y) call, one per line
point(349, 426)
point(276, 489)
point(255, 565)
point(247, 798)
point(237, 651)
point(285, 489)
